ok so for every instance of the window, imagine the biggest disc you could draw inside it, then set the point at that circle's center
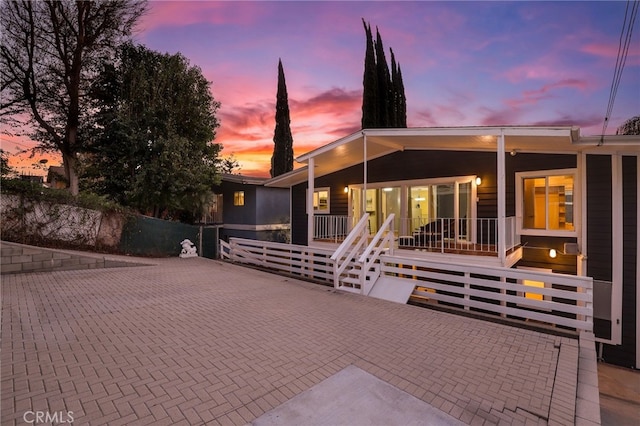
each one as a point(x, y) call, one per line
point(321, 201)
point(547, 202)
point(238, 198)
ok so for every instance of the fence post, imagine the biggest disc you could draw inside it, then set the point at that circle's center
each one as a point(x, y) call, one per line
point(467, 287)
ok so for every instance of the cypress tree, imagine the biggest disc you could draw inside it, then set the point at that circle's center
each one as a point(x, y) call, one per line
point(395, 96)
point(385, 104)
point(399, 99)
point(282, 158)
point(370, 84)
point(383, 100)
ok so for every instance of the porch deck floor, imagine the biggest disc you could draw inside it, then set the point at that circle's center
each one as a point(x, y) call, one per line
point(196, 341)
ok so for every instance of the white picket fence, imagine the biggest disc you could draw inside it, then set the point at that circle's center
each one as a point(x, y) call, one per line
point(309, 263)
point(564, 301)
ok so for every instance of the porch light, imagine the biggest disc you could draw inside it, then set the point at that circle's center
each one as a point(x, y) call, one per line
point(478, 181)
point(553, 253)
point(387, 189)
point(346, 189)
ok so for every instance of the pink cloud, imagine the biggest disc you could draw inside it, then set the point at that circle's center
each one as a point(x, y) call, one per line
point(333, 102)
point(569, 82)
point(610, 50)
point(180, 13)
point(532, 97)
point(541, 71)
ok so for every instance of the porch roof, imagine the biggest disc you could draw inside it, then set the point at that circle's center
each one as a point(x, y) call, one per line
point(349, 151)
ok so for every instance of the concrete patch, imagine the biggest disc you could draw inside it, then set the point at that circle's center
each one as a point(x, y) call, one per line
point(354, 397)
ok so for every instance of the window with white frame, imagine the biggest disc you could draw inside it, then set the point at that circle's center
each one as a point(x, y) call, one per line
point(321, 200)
point(546, 201)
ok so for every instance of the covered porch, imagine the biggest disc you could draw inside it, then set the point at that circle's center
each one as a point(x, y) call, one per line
point(462, 207)
point(450, 236)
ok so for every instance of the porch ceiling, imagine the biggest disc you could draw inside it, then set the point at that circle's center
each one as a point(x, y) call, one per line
point(350, 150)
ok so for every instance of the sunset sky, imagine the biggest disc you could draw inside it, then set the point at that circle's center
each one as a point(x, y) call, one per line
point(463, 64)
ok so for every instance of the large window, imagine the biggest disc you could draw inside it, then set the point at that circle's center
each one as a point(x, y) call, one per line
point(547, 202)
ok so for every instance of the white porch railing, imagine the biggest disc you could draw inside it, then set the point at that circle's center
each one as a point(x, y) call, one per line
point(478, 235)
point(346, 254)
point(563, 300)
point(331, 227)
point(369, 261)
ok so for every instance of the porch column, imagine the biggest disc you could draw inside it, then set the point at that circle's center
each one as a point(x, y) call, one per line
point(502, 206)
point(364, 178)
point(310, 191)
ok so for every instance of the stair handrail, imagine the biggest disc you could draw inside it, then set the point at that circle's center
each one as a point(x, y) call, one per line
point(354, 241)
point(383, 240)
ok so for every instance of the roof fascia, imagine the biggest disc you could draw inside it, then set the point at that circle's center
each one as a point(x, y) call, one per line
point(330, 146)
point(247, 180)
point(282, 181)
point(617, 140)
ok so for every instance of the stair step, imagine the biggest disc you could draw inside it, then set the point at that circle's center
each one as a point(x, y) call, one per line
point(349, 289)
point(350, 280)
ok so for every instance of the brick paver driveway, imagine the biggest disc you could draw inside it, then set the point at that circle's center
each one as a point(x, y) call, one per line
point(195, 341)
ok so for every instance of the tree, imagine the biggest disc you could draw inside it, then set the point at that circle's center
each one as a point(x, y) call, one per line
point(370, 84)
point(5, 169)
point(152, 149)
point(630, 127)
point(282, 158)
point(228, 164)
point(49, 56)
point(383, 98)
point(399, 99)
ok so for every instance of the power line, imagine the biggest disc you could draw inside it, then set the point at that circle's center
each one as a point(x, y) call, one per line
point(623, 51)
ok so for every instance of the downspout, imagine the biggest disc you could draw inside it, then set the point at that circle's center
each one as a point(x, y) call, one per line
point(502, 207)
point(310, 191)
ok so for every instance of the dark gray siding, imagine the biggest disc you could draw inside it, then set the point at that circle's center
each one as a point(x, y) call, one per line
point(408, 165)
point(599, 217)
point(625, 353)
point(272, 205)
point(239, 214)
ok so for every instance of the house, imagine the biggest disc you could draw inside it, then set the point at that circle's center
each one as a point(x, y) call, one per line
point(529, 204)
point(243, 207)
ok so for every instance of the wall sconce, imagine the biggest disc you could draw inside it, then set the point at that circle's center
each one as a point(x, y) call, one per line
point(478, 181)
point(346, 190)
point(553, 253)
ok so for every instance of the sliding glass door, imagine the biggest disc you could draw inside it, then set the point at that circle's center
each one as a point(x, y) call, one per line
point(419, 203)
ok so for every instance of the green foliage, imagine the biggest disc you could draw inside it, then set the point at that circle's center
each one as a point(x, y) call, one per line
point(282, 158)
point(36, 192)
point(153, 150)
point(630, 127)
point(228, 164)
point(5, 170)
point(49, 55)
